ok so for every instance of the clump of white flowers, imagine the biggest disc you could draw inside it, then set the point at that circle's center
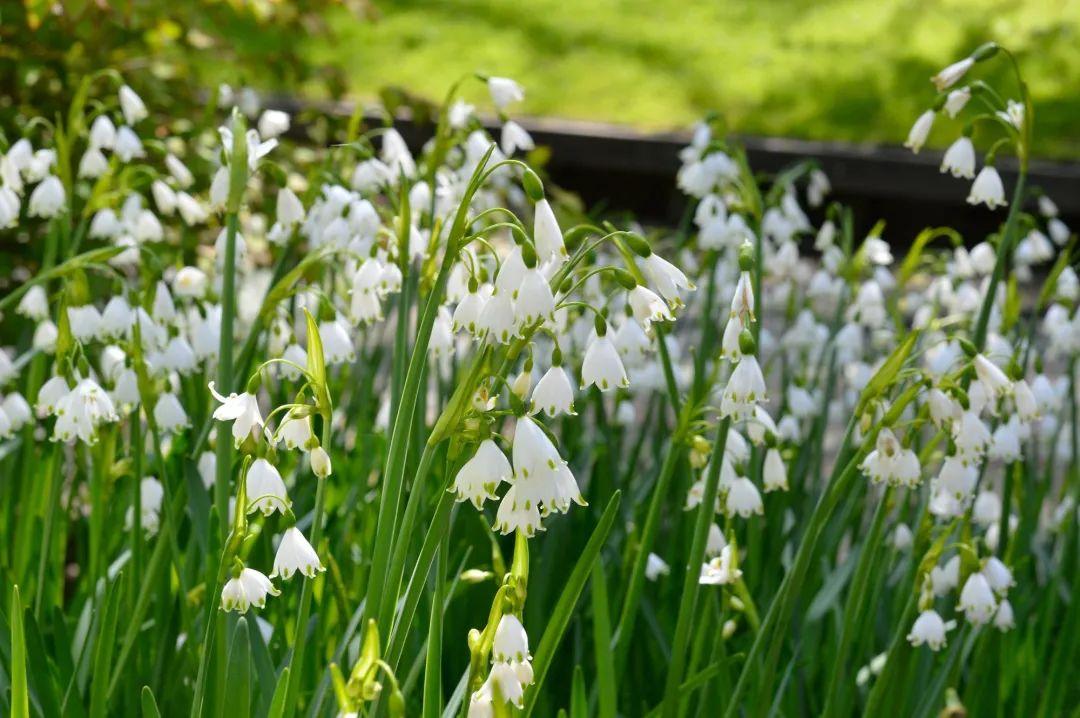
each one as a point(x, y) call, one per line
point(244, 375)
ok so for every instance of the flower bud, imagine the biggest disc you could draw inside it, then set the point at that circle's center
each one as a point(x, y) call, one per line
point(747, 345)
point(320, 462)
point(624, 278)
point(746, 257)
point(532, 185)
point(637, 244)
point(985, 52)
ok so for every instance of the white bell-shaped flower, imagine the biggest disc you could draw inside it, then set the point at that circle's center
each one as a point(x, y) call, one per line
point(265, 489)
point(743, 498)
point(47, 199)
point(892, 463)
point(928, 629)
point(1003, 618)
point(517, 515)
point(971, 436)
point(991, 377)
point(632, 343)
point(478, 478)
point(337, 346)
point(745, 388)
point(320, 462)
point(169, 414)
point(715, 542)
point(511, 642)
point(49, 395)
point(729, 342)
point(102, 133)
point(998, 575)
point(294, 553)
point(1027, 407)
point(128, 145)
point(273, 123)
point(242, 410)
point(190, 282)
point(504, 91)
point(648, 307)
point(655, 567)
point(1005, 441)
point(774, 473)
point(977, 601)
point(602, 366)
point(987, 508)
point(920, 131)
point(191, 210)
point(34, 304)
point(988, 189)
point(93, 164)
point(533, 300)
point(957, 477)
point(514, 137)
point(81, 411)
point(17, 409)
point(295, 432)
point(959, 159)
point(945, 578)
point(668, 279)
point(952, 74)
point(131, 105)
point(249, 588)
point(722, 570)
point(553, 394)
point(496, 320)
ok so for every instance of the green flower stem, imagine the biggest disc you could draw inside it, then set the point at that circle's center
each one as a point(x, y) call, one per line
point(794, 577)
point(386, 534)
point(225, 370)
point(1004, 256)
point(296, 670)
point(408, 521)
point(136, 449)
point(55, 483)
point(855, 607)
point(408, 287)
point(780, 610)
point(624, 630)
point(433, 663)
point(100, 464)
point(691, 583)
point(437, 529)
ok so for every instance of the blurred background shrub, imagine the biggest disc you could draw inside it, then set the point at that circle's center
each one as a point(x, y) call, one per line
point(852, 70)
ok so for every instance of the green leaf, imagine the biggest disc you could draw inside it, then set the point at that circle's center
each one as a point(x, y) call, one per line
point(104, 645)
point(605, 665)
point(277, 705)
point(238, 673)
point(829, 595)
point(911, 261)
point(20, 697)
point(564, 608)
point(149, 704)
point(432, 705)
point(579, 701)
point(263, 690)
point(887, 373)
point(41, 666)
point(316, 364)
point(1049, 288)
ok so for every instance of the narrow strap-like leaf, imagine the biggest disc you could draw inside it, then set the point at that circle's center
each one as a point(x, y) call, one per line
point(564, 608)
point(20, 697)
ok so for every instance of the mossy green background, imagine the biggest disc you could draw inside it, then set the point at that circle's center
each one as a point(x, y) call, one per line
point(854, 70)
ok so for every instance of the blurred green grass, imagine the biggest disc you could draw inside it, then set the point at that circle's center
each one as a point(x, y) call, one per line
point(850, 70)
